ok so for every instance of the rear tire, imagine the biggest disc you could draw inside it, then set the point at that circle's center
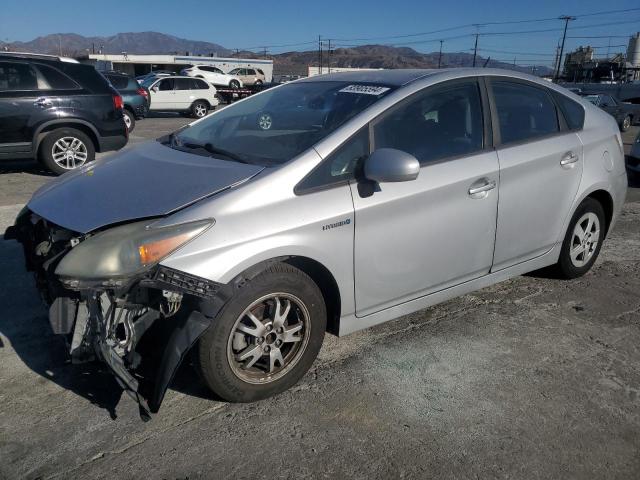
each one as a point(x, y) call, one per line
point(66, 149)
point(199, 109)
point(583, 240)
point(234, 84)
point(278, 343)
point(129, 120)
point(626, 123)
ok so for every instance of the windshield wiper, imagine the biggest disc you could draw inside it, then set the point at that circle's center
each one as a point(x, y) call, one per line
point(215, 151)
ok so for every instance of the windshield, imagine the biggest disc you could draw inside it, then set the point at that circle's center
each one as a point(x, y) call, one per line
point(275, 126)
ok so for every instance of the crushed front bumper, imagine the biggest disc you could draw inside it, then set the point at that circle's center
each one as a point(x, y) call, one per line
point(141, 327)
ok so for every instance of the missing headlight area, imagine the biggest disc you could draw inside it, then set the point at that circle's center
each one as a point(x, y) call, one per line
point(141, 325)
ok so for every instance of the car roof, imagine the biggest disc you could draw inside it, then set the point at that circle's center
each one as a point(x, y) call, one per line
point(402, 77)
point(36, 56)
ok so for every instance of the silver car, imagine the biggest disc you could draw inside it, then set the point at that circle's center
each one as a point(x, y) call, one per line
point(404, 188)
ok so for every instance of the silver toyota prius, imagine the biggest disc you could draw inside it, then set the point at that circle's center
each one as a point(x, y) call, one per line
point(364, 197)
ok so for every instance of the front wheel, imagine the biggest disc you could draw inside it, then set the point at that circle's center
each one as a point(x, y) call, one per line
point(129, 120)
point(266, 337)
point(583, 240)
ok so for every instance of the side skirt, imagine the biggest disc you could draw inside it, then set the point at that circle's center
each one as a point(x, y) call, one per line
point(351, 323)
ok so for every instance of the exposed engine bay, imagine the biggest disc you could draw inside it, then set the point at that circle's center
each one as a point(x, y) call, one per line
point(141, 326)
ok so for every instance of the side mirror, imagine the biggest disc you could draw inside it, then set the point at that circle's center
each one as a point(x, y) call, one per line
point(391, 165)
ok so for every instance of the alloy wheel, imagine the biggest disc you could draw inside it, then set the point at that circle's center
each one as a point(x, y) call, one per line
point(265, 122)
point(268, 338)
point(127, 121)
point(585, 238)
point(69, 152)
point(200, 110)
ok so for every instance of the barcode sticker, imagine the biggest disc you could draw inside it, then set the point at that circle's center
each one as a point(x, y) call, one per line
point(364, 89)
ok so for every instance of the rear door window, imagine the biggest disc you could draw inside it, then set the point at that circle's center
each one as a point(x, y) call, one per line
point(525, 112)
point(199, 84)
point(118, 81)
point(17, 76)
point(573, 112)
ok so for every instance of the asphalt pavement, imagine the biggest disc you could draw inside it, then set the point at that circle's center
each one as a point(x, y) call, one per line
point(530, 378)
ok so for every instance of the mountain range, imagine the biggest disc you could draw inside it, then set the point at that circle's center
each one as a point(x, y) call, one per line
point(295, 62)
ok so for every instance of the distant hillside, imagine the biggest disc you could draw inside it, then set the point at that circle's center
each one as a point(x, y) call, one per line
point(380, 56)
point(295, 63)
point(140, 42)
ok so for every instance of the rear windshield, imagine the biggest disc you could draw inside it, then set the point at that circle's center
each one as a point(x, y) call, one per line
point(273, 127)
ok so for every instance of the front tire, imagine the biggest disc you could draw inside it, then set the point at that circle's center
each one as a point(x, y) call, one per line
point(265, 338)
point(66, 149)
point(583, 240)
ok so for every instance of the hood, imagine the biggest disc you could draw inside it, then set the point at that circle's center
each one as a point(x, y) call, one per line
point(148, 180)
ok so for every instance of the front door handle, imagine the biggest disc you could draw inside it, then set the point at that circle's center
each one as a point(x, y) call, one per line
point(477, 191)
point(569, 159)
point(43, 102)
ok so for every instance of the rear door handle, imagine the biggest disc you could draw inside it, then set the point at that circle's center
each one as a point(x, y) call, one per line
point(568, 159)
point(43, 102)
point(482, 188)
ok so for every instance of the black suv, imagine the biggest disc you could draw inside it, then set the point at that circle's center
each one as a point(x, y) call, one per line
point(57, 110)
point(134, 97)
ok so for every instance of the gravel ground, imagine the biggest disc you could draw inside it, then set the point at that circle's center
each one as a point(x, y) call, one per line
point(530, 378)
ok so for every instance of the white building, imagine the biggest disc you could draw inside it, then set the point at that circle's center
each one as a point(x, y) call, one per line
point(312, 71)
point(140, 64)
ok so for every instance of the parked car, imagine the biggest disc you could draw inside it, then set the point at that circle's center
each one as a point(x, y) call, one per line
point(181, 94)
point(626, 114)
point(213, 75)
point(249, 76)
point(134, 96)
point(57, 111)
point(633, 160)
point(249, 245)
point(155, 73)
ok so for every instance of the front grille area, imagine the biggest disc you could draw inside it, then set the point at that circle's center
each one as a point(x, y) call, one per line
point(200, 287)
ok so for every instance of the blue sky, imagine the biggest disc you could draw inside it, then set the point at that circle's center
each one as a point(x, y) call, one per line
point(277, 22)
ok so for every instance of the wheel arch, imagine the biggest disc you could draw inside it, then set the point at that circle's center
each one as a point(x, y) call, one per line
point(84, 127)
point(320, 275)
point(606, 200)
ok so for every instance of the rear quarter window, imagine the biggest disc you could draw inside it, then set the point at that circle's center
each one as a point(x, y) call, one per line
point(572, 111)
point(118, 81)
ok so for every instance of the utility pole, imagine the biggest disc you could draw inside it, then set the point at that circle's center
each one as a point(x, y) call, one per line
point(329, 56)
point(567, 19)
point(319, 54)
point(475, 50)
point(440, 55)
point(265, 52)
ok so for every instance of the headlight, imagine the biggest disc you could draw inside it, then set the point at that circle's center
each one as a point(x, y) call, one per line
point(126, 250)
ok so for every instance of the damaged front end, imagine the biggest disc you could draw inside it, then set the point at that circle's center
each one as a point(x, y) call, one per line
point(110, 298)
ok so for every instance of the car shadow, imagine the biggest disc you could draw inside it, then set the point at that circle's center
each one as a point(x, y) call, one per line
point(25, 329)
point(24, 166)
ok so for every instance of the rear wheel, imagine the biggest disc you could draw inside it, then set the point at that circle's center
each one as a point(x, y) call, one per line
point(626, 123)
point(129, 120)
point(234, 84)
point(583, 240)
point(199, 109)
point(66, 149)
point(265, 338)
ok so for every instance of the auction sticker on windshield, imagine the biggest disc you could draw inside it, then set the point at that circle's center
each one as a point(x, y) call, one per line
point(364, 89)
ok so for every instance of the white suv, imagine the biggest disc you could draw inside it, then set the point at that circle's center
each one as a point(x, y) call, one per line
point(213, 75)
point(182, 94)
